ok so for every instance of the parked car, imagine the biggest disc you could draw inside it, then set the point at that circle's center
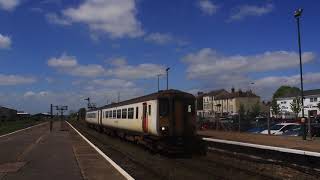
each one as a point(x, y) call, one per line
point(256, 130)
point(293, 132)
point(279, 129)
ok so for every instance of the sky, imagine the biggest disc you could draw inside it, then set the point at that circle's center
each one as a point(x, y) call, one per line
point(63, 51)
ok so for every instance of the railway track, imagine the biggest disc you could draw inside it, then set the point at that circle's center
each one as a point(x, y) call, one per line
point(141, 164)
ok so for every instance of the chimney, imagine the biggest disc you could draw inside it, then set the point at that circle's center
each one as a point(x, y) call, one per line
point(232, 89)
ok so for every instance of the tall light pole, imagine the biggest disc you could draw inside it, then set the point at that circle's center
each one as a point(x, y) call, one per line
point(297, 15)
point(167, 71)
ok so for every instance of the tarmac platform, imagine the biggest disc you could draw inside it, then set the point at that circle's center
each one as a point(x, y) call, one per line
point(268, 140)
point(35, 153)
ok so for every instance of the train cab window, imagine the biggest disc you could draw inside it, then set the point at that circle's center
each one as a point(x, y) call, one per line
point(149, 110)
point(114, 114)
point(163, 107)
point(130, 113)
point(137, 112)
point(124, 113)
point(119, 114)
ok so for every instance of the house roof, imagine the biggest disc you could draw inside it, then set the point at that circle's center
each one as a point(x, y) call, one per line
point(236, 94)
point(2, 107)
point(215, 92)
point(310, 92)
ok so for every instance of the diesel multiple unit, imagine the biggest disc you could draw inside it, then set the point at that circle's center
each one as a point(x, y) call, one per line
point(159, 120)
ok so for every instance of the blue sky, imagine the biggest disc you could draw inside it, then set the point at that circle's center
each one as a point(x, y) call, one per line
point(58, 51)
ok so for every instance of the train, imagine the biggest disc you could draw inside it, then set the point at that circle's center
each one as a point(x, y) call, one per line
point(164, 121)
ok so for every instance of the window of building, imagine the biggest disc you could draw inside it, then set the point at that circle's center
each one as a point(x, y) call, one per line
point(119, 114)
point(313, 99)
point(124, 113)
point(130, 113)
point(149, 110)
point(137, 112)
point(114, 114)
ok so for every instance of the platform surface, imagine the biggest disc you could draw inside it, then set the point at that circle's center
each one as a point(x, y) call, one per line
point(36, 153)
point(268, 140)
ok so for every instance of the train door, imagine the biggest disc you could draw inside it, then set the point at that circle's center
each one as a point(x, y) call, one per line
point(144, 118)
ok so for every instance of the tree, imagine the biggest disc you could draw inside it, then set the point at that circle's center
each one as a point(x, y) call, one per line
point(275, 107)
point(255, 110)
point(286, 90)
point(296, 106)
point(82, 114)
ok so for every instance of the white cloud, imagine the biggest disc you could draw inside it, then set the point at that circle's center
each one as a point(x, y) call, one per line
point(9, 5)
point(208, 62)
point(141, 71)
point(117, 18)
point(244, 11)
point(119, 61)
point(55, 19)
point(64, 61)
point(207, 7)
point(5, 42)
point(10, 80)
point(159, 38)
point(115, 83)
point(69, 65)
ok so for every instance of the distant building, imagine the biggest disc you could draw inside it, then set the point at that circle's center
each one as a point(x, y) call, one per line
point(229, 103)
point(22, 115)
point(7, 114)
point(311, 99)
point(199, 104)
point(209, 105)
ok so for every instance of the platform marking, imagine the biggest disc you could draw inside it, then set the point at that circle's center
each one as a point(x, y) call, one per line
point(115, 165)
point(259, 146)
point(22, 129)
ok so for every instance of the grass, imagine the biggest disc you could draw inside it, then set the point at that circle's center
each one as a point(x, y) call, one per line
point(11, 126)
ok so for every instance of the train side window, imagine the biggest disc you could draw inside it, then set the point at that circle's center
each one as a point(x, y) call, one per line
point(149, 110)
point(137, 112)
point(110, 114)
point(130, 113)
point(124, 113)
point(114, 114)
point(163, 107)
point(106, 114)
point(119, 114)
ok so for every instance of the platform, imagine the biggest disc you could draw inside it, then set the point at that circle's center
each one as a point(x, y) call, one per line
point(35, 153)
point(268, 140)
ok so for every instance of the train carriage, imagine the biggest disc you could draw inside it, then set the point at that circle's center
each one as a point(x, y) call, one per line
point(162, 119)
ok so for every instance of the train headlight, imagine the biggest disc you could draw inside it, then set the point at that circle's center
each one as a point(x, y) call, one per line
point(163, 128)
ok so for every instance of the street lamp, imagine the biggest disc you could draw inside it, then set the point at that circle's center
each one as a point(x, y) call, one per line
point(167, 71)
point(158, 75)
point(297, 15)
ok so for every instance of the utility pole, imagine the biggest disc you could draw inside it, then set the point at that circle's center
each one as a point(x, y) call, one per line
point(297, 15)
point(118, 97)
point(167, 71)
point(51, 116)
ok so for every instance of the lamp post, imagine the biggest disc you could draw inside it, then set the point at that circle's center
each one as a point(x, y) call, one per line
point(297, 15)
point(167, 71)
